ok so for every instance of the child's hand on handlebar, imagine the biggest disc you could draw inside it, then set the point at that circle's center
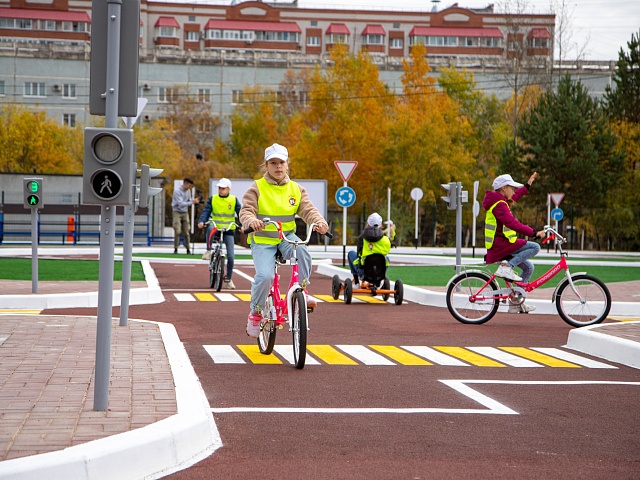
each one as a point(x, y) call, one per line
point(321, 228)
point(200, 224)
point(257, 225)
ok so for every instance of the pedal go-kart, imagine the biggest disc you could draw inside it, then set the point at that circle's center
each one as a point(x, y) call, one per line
point(374, 282)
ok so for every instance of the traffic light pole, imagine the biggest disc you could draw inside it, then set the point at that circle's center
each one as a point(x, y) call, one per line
point(458, 227)
point(34, 250)
point(127, 254)
point(107, 218)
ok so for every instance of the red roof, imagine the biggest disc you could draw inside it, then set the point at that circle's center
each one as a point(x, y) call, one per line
point(373, 30)
point(253, 26)
point(539, 33)
point(338, 28)
point(62, 16)
point(167, 22)
point(455, 32)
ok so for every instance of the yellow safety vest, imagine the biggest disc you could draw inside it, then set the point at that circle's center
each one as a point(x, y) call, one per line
point(382, 246)
point(223, 211)
point(490, 226)
point(279, 203)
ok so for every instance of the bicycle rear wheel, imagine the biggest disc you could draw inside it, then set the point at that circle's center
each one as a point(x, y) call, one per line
point(595, 304)
point(299, 329)
point(461, 304)
point(268, 329)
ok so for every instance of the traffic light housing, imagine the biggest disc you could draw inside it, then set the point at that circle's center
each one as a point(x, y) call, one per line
point(452, 195)
point(32, 193)
point(108, 166)
point(145, 190)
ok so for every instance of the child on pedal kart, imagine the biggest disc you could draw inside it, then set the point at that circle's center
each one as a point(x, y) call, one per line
point(372, 240)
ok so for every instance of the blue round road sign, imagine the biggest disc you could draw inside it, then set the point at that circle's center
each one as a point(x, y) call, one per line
point(345, 196)
point(557, 214)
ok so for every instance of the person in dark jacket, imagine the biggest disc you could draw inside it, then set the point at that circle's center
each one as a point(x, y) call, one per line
point(501, 230)
point(372, 240)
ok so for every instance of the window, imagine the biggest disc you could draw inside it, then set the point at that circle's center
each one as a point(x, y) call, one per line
point(396, 26)
point(24, 24)
point(373, 40)
point(204, 126)
point(1, 87)
point(313, 41)
point(336, 38)
point(67, 26)
point(491, 42)
point(34, 89)
point(204, 95)
point(50, 25)
point(396, 43)
point(192, 18)
point(539, 42)
point(314, 23)
point(166, 95)
point(237, 96)
point(69, 119)
point(192, 36)
point(451, 41)
point(167, 32)
point(69, 90)
point(231, 34)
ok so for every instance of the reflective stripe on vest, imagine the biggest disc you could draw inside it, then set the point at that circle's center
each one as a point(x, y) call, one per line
point(279, 203)
point(223, 211)
point(491, 224)
point(369, 248)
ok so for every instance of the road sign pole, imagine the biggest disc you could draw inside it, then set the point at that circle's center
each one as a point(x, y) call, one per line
point(34, 250)
point(344, 233)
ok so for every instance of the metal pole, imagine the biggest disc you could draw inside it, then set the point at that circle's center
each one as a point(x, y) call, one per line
point(458, 227)
point(107, 219)
point(389, 212)
point(34, 250)
point(344, 234)
point(416, 224)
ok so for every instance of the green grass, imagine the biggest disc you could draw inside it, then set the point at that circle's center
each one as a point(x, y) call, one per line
point(63, 269)
point(183, 255)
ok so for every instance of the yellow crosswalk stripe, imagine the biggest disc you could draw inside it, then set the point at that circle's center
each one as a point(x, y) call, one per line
point(369, 299)
point(245, 297)
point(469, 356)
point(205, 297)
point(399, 355)
point(22, 312)
point(330, 355)
point(328, 298)
point(253, 353)
point(539, 357)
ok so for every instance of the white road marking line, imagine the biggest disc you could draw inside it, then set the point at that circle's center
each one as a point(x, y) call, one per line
point(493, 407)
point(573, 358)
point(184, 297)
point(226, 297)
point(435, 356)
point(363, 354)
point(223, 354)
point(240, 273)
point(504, 357)
point(286, 352)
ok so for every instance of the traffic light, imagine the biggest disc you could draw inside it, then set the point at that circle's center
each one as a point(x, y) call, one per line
point(145, 190)
point(108, 166)
point(452, 195)
point(32, 193)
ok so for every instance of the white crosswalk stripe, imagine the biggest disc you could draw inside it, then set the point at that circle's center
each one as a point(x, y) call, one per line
point(504, 357)
point(572, 357)
point(435, 356)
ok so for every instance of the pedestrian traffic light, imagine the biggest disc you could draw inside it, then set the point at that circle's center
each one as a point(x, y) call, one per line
point(108, 166)
point(32, 193)
point(452, 195)
point(145, 190)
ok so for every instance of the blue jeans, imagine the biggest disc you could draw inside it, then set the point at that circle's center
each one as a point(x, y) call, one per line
point(264, 261)
point(228, 240)
point(521, 256)
point(356, 270)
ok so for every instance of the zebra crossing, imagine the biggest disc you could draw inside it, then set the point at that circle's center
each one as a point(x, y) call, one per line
point(246, 297)
point(416, 355)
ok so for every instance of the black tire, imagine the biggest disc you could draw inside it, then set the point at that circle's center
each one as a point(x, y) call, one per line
point(398, 294)
point(462, 307)
point(335, 287)
point(386, 285)
point(219, 269)
point(596, 296)
point(212, 275)
point(267, 335)
point(348, 291)
point(299, 329)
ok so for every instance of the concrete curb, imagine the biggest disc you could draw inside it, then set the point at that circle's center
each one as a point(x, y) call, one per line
point(137, 296)
point(157, 450)
point(438, 299)
point(616, 349)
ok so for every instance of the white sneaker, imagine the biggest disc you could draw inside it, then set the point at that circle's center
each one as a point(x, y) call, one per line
point(206, 255)
point(356, 286)
point(506, 271)
point(253, 325)
point(230, 284)
point(522, 308)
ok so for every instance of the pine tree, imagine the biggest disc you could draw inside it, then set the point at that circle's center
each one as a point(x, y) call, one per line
point(623, 101)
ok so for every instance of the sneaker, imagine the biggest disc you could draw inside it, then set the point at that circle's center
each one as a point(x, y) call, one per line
point(506, 271)
point(175, 251)
point(188, 252)
point(253, 325)
point(356, 286)
point(206, 255)
point(311, 304)
point(230, 284)
point(522, 308)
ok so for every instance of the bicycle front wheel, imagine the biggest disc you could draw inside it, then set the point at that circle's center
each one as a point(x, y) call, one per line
point(594, 306)
point(268, 329)
point(219, 272)
point(461, 302)
point(299, 329)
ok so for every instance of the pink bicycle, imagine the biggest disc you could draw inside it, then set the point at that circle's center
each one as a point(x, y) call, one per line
point(473, 296)
point(292, 309)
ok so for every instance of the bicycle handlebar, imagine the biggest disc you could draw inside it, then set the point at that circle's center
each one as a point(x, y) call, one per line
point(550, 232)
point(268, 221)
point(225, 228)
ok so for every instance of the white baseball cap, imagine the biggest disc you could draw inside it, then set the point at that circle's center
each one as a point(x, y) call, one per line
point(504, 180)
point(374, 220)
point(224, 183)
point(276, 151)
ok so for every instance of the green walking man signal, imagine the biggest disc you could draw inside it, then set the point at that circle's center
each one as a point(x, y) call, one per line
point(32, 193)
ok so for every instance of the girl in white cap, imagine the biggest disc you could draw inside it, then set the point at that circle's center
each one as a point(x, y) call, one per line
point(501, 229)
point(277, 197)
point(376, 241)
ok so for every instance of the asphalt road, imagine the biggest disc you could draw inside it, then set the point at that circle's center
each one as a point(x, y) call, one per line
point(400, 392)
